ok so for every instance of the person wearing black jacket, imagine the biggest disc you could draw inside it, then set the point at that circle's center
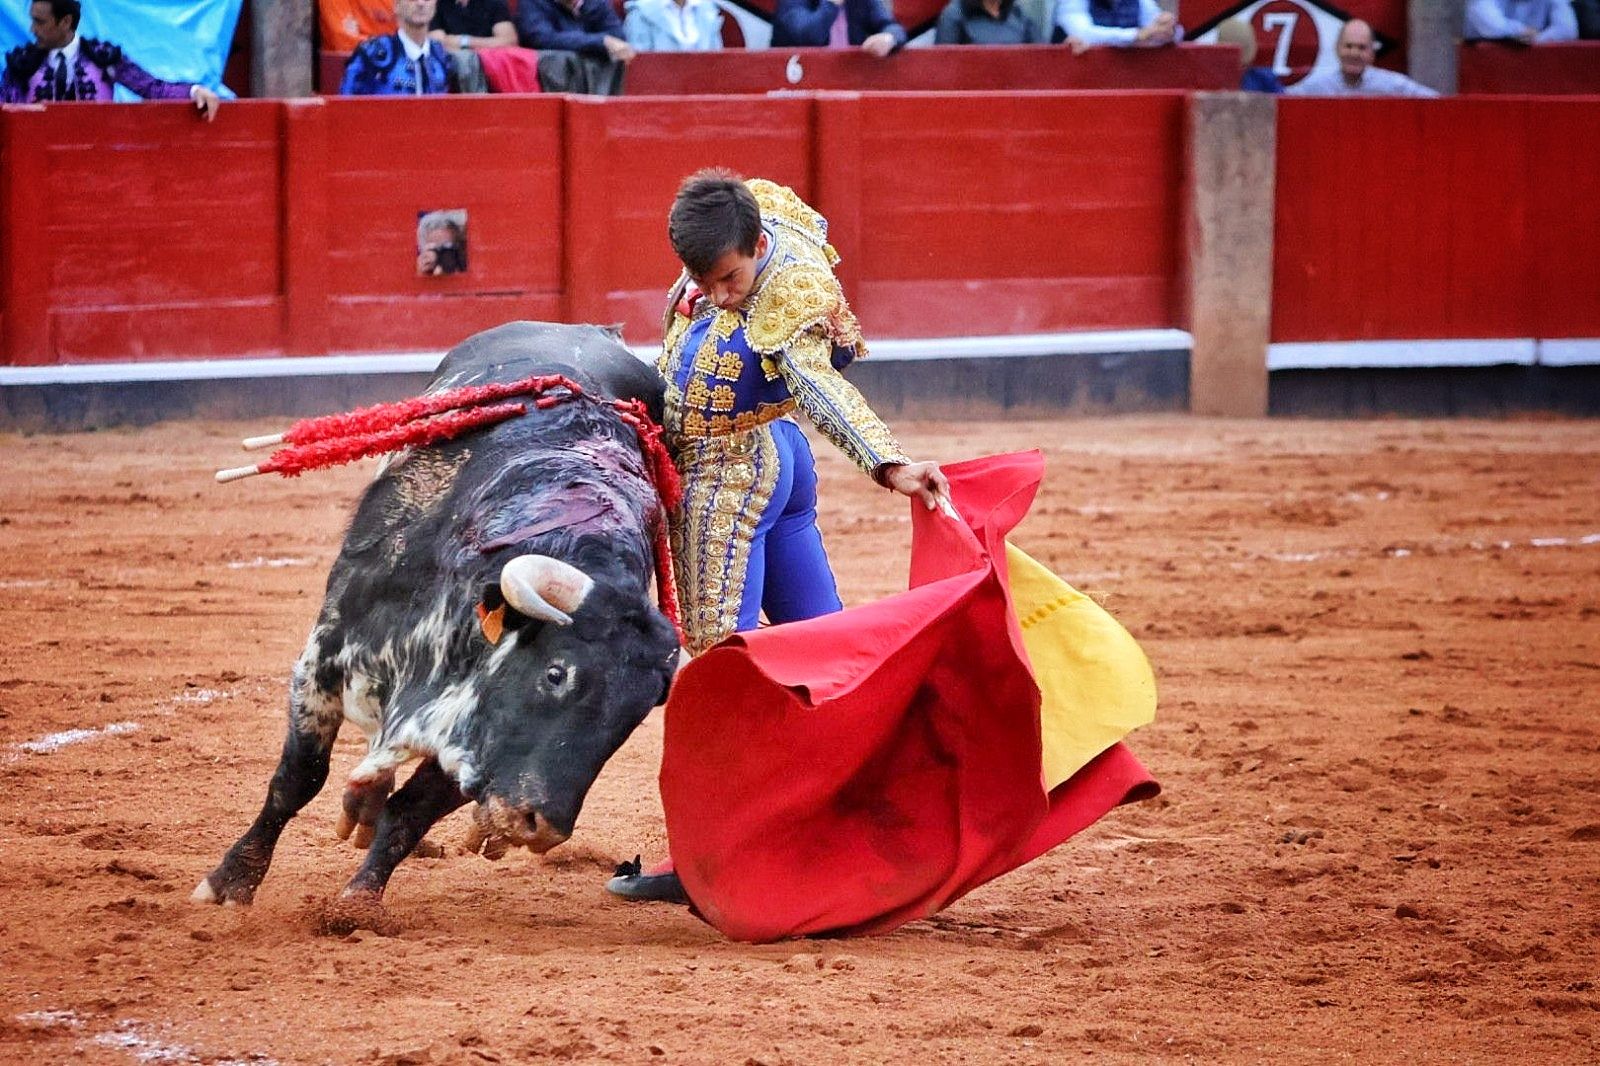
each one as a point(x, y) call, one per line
point(986, 22)
point(837, 24)
point(580, 44)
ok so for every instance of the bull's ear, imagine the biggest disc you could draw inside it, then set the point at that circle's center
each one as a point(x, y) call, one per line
point(493, 614)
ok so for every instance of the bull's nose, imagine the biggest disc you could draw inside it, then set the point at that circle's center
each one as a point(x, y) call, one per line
point(545, 836)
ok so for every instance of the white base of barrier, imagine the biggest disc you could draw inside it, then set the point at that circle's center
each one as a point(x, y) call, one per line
point(1323, 355)
point(1033, 344)
point(1512, 351)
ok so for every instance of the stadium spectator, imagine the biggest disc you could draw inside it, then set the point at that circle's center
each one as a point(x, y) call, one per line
point(60, 65)
point(464, 25)
point(406, 62)
point(985, 22)
point(1115, 23)
point(1522, 21)
point(837, 24)
point(1588, 16)
point(1355, 75)
point(580, 42)
point(1252, 79)
point(482, 42)
point(344, 24)
point(673, 25)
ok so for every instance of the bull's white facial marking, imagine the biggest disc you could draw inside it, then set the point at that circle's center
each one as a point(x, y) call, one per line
point(502, 651)
point(560, 677)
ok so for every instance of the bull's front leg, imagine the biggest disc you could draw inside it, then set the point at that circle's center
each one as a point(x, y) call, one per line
point(314, 717)
point(407, 816)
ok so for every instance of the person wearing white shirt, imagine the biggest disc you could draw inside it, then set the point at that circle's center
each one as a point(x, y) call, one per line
point(1116, 24)
point(1527, 21)
point(405, 63)
point(673, 25)
point(60, 65)
point(1355, 75)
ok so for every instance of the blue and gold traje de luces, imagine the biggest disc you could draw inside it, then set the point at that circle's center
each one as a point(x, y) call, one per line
point(724, 368)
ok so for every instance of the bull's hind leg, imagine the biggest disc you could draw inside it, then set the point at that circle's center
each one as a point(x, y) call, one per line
point(315, 712)
point(407, 816)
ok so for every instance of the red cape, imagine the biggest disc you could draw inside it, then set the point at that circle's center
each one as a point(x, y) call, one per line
point(854, 772)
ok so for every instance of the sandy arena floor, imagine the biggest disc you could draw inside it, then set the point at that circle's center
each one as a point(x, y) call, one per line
point(1379, 652)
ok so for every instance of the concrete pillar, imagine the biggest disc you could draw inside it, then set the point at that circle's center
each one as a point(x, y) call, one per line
point(1433, 42)
point(1232, 177)
point(281, 58)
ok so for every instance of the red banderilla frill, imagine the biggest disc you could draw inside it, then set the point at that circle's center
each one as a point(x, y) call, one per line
point(331, 440)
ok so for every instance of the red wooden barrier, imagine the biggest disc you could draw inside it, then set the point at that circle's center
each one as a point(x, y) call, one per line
point(135, 232)
point(388, 160)
point(625, 159)
point(990, 213)
point(139, 232)
point(1568, 69)
point(947, 68)
point(1464, 218)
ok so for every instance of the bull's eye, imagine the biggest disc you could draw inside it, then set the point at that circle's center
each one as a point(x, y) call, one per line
point(556, 675)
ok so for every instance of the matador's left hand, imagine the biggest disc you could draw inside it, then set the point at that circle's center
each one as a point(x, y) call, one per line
point(925, 481)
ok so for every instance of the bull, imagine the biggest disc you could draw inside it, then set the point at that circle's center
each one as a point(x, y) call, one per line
point(489, 614)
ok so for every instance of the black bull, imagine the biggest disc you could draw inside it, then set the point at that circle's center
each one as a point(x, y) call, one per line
point(547, 517)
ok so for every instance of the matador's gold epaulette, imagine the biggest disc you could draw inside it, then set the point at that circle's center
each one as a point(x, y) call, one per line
point(780, 204)
point(798, 297)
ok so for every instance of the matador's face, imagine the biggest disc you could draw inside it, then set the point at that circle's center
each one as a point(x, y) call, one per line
point(51, 32)
point(732, 277)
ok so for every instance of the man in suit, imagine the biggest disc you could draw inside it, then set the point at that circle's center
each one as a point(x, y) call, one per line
point(866, 24)
point(406, 62)
point(60, 65)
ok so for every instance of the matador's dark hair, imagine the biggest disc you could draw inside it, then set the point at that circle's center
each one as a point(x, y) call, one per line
point(60, 9)
point(714, 213)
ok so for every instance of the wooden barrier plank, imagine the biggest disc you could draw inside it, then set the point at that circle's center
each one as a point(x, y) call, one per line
point(390, 160)
point(162, 231)
point(947, 68)
point(305, 220)
point(1569, 68)
point(1077, 197)
point(1395, 221)
point(1564, 216)
point(625, 160)
point(24, 274)
point(210, 329)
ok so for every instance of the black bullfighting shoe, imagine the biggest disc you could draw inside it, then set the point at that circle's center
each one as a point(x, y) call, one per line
point(631, 882)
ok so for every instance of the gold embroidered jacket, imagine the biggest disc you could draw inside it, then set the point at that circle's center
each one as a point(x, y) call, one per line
point(731, 371)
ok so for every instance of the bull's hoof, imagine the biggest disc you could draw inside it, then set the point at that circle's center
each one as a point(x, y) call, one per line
point(362, 804)
point(236, 895)
point(352, 911)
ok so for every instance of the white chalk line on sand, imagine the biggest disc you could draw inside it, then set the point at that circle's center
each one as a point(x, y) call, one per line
point(54, 742)
point(1441, 548)
point(134, 1039)
point(261, 561)
point(203, 695)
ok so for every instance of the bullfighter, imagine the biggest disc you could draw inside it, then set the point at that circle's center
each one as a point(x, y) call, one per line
point(758, 328)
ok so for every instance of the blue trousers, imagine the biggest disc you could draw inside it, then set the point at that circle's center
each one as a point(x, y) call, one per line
point(788, 575)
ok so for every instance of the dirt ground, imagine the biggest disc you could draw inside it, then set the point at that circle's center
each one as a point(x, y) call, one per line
point(1378, 646)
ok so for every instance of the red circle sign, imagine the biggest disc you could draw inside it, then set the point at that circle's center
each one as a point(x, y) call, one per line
point(1287, 39)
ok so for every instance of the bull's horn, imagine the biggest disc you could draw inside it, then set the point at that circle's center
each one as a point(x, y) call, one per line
point(544, 588)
